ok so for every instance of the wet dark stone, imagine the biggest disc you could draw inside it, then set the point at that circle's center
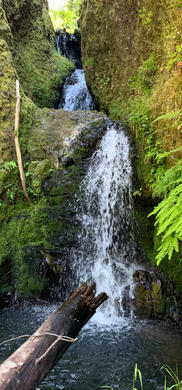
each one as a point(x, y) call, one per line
point(126, 301)
point(69, 46)
point(155, 297)
point(142, 276)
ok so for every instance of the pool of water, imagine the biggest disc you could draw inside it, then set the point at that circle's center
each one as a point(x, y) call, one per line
point(103, 354)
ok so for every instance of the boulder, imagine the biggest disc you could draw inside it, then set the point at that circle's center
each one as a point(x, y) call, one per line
point(155, 296)
point(38, 240)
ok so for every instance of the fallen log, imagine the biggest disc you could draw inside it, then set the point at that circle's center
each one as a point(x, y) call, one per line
point(30, 363)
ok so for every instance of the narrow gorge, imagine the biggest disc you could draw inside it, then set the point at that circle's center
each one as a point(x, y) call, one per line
point(100, 136)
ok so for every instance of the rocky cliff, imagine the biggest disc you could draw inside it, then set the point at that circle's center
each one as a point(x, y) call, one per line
point(27, 52)
point(132, 55)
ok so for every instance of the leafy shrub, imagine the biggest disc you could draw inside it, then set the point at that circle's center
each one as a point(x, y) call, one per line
point(67, 16)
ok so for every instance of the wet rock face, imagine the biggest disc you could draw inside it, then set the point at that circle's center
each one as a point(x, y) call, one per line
point(57, 134)
point(71, 137)
point(29, 35)
point(69, 45)
point(41, 238)
point(155, 297)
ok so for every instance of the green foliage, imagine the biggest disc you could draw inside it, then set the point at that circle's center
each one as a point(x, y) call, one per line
point(8, 180)
point(177, 3)
point(103, 81)
point(106, 387)
point(174, 117)
point(138, 192)
point(143, 81)
point(140, 85)
point(137, 375)
point(67, 16)
point(174, 57)
point(153, 157)
point(163, 183)
point(170, 115)
point(175, 377)
point(146, 16)
point(8, 166)
point(140, 116)
point(169, 180)
point(47, 93)
point(37, 171)
point(169, 212)
point(90, 62)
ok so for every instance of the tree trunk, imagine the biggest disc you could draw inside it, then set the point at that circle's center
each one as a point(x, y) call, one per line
point(29, 364)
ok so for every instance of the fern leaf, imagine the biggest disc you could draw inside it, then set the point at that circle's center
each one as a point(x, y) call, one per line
point(162, 252)
point(175, 228)
point(169, 115)
point(170, 219)
point(168, 213)
point(176, 245)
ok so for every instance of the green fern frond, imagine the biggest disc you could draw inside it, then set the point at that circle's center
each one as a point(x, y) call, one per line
point(168, 213)
point(170, 218)
point(169, 180)
point(174, 228)
point(167, 248)
point(169, 115)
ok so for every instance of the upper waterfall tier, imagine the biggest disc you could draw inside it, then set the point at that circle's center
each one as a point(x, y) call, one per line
point(75, 94)
point(69, 45)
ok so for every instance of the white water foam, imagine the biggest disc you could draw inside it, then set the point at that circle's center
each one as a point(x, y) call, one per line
point(107, 250)
point(76, 95)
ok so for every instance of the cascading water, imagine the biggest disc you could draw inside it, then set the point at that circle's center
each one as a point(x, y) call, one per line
point(106, 255)
point(57, 41)
point(75, 95)
point(107, 250)
point(69, 45)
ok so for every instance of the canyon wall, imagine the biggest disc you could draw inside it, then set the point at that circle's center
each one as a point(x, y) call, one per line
point(132, 56)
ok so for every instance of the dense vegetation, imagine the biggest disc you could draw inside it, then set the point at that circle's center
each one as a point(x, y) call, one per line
point(67, 16)
point(133, 64)
point(27, 50)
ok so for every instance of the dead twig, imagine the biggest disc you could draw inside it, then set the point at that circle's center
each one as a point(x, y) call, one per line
point(17, 145)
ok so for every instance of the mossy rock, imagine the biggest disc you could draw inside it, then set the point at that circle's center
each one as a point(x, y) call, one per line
point(156, 296)
point(40, 68)
point(30, 234)
point(143, 302)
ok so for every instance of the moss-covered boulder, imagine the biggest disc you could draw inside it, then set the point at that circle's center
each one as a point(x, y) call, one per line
point(155, 296)
point(37, 240)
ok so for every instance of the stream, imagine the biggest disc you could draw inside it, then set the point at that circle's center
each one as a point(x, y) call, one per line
point(101, 352)
point(113, 341)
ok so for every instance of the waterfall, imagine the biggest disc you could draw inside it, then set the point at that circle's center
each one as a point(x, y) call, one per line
point(75, 95)
point(104, 206)
point(105, 210)
point(57, 41)
point(69, 45)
